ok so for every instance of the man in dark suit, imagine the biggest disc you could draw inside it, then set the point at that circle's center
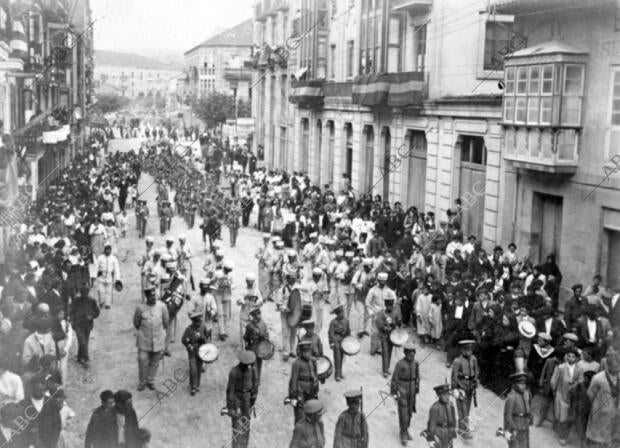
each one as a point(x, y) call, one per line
point(551, 325)
point(100, 430)
point(592, 330)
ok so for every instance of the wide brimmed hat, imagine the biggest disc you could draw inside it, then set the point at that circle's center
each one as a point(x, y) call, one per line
point(527, 329)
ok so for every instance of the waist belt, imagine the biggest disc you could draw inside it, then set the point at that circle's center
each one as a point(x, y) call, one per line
point(465, 377)
point(306, 378)
point(407, 380)
point(445, 425)
point(527, 414)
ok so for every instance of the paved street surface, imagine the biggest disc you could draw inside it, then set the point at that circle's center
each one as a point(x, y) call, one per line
point(178, 420)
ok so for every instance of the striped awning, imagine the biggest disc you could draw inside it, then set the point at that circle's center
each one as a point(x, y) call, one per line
point(19, 46)
point(407, 89)
point(307, 93)
point(371, 90)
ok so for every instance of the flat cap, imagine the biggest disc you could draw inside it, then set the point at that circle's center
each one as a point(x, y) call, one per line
point(353, 394)
point(409, 346)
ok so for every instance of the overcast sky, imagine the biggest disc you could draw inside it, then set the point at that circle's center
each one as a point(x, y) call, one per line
point(163, 24)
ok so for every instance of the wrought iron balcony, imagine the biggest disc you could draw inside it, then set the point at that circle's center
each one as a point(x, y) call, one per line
point(403, 89)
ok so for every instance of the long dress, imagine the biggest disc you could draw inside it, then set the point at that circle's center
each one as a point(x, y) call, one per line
point(435, 320)
point(422, 309)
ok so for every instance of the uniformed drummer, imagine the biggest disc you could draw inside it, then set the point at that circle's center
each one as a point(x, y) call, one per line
point(517, 412)
point(465, 373)
point(351, 427)
point(310, 335)
point(304, 382)
point(338, 330)
point(251, 299)
point(241, 394)
point(195, 335)
point(385, 321)
point(255, 333)
point(309, 432)
point(404, 386)
point(442, 419)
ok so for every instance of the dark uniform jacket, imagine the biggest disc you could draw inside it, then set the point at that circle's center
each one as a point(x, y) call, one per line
point(406, 382)
point(83, 312)
point(386, 323)
point(308, 435)
point(304, 380)
point(517, 411)
point(194, 337)
point(317, 346)
point(100, 430)
point(351, 431)
point(242, 389)
point(465, 373)
point(442, 423)
point(255, 332)
point(338, 330)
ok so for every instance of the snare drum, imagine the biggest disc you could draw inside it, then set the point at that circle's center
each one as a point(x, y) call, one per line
point(350, 346)
point(208, 353)
point(399, 336)
point(324, 367)
point(265, 349)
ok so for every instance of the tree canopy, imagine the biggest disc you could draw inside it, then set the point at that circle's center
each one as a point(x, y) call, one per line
point(107, 103)
point(218, 107)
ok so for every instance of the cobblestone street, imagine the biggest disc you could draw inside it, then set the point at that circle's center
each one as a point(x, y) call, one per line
point(177, 419)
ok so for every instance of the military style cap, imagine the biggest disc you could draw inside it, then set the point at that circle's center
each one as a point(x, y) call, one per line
point(382, 276)
point(367, 261)
point(307, 323)
point(518, 377)
point(204, 282)
point(182, 237)
point(442, 389)
point(409, 346)
point(466, 342)
point(149, 239)
point(279, 244)
point(353, 394)
point(250, 276)
point(336, 308)
point(314, 235)
point(266, 236)
point(194, 314)
point(317, 271)
point(313, 407)
point(169, 239)
point(247, 357)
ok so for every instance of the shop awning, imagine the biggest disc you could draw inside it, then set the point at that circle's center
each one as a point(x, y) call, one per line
point(307, 93)
point(407, 89)
point(371, 90)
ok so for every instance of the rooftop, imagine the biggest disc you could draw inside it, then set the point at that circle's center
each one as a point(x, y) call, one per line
point(237, 36)
point(115, 58)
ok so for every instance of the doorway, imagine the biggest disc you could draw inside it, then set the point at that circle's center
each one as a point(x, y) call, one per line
point(546, 226)
point(473, 171)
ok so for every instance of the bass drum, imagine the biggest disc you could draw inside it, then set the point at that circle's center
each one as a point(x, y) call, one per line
point(265, 350)
point(324, 367)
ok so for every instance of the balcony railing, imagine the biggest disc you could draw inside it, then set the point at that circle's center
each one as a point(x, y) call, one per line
point(405, 89)
point(545, 150)
point(338, 92)
point(307, 94)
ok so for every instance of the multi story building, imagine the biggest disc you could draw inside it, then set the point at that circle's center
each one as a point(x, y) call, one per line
point(217, 64)
point(46, 69)
point(560, 125)
point(430, 101)
point(132, 75)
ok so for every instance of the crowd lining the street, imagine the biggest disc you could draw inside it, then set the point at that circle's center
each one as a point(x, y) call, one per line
point(377, 266)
